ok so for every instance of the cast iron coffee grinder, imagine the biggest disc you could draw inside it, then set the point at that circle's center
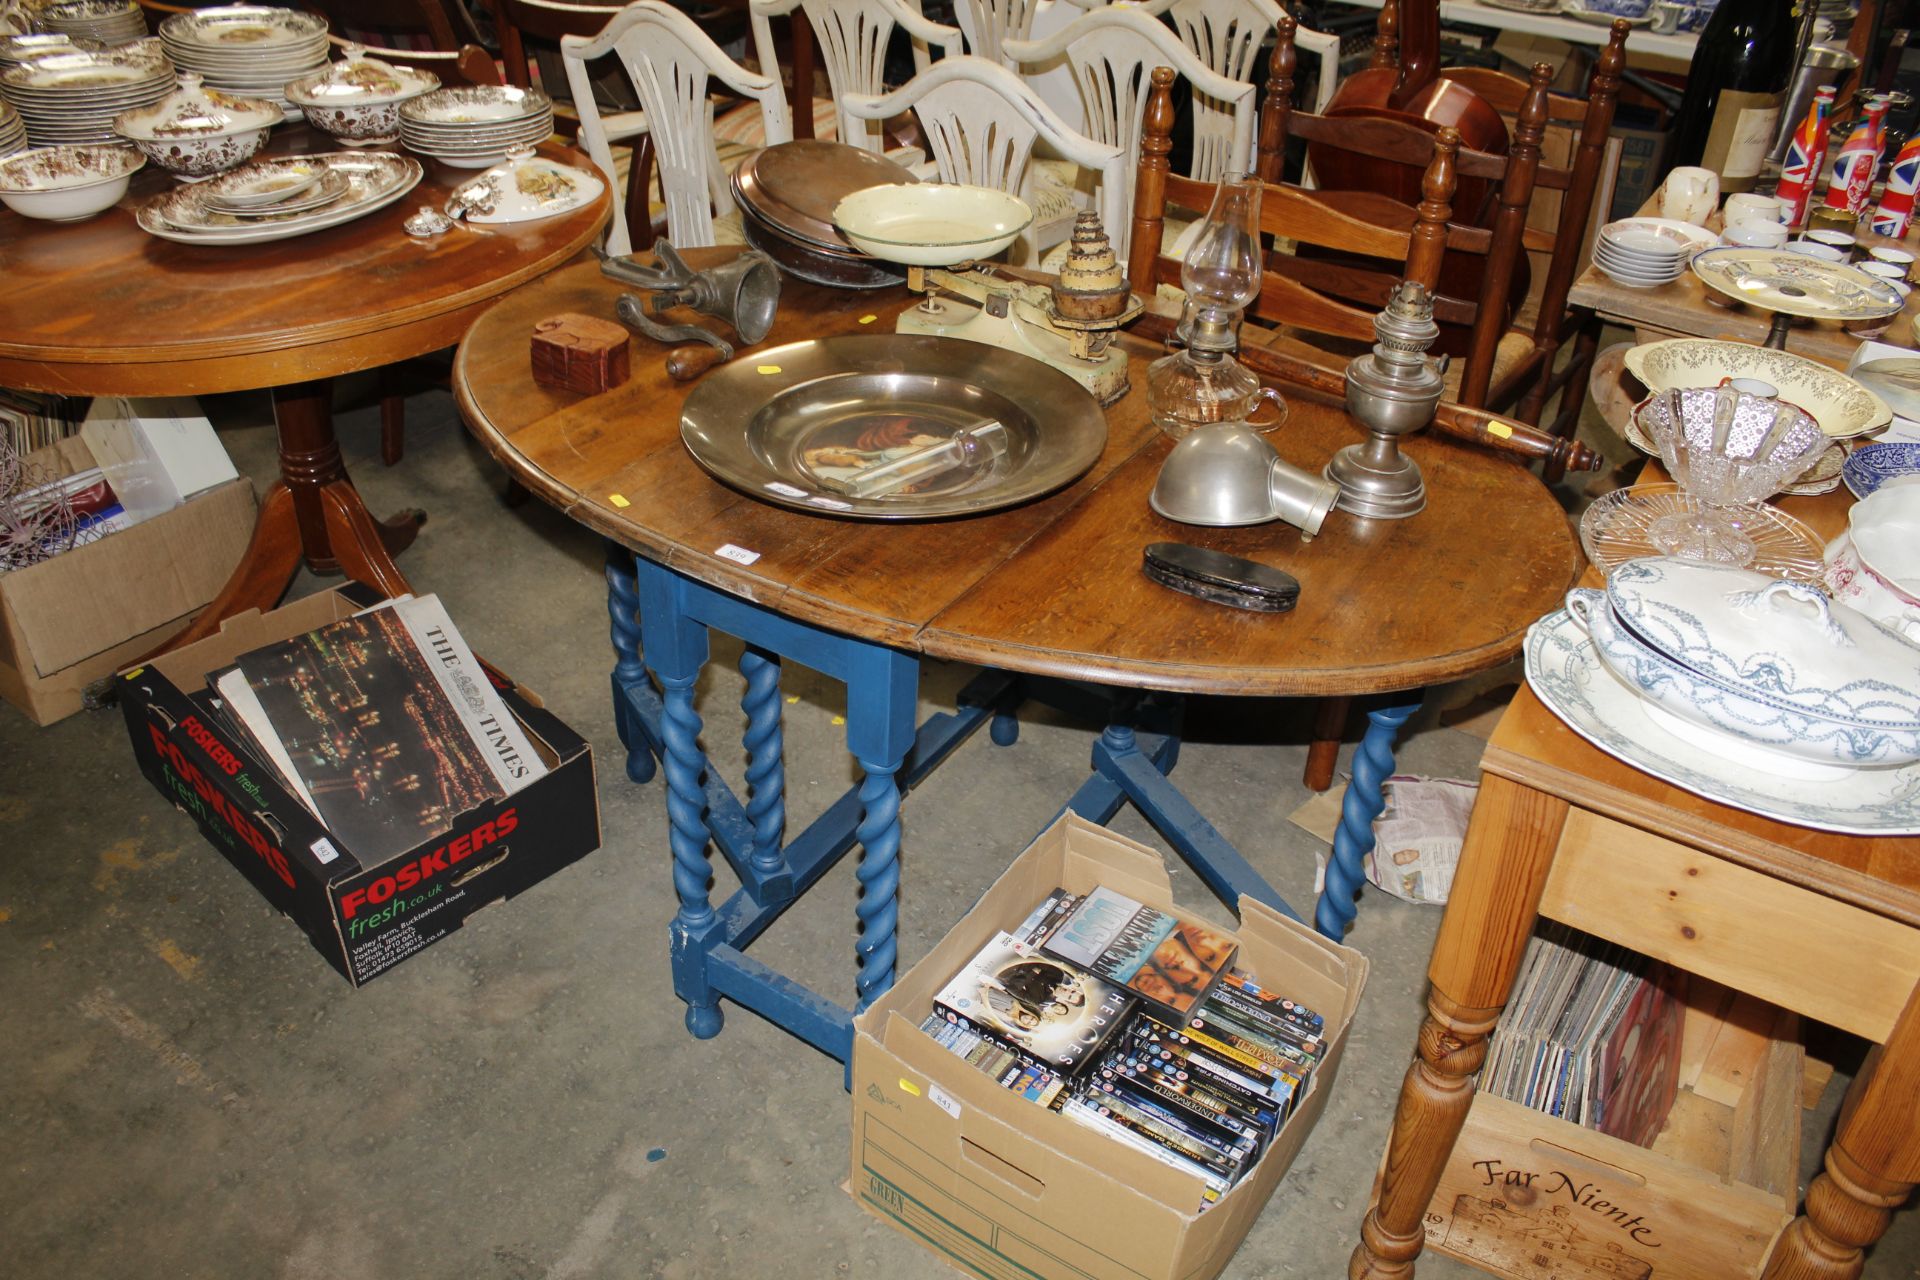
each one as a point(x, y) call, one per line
point(1392, 391)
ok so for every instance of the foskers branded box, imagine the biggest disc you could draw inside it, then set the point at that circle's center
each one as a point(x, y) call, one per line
point(1006, 1189)
point(365, 917)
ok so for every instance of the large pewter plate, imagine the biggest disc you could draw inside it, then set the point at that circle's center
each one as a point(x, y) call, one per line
point(773, 423)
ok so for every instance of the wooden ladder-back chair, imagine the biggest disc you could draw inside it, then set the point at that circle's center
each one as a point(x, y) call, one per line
point(672, 64)
point(1524, 373)
point(980, 122)
point(1112, 52)
point(1411, 251)
point(852, 36)
point(525, 25)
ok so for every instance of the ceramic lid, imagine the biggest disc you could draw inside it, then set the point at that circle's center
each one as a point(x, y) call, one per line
point(357, 80)
point(524, 187)
point(1782, 642)
point(196, 111)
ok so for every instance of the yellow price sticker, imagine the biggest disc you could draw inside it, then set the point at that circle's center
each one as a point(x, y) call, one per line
point(619, 500)
point(768, 368)
point(909, 1086)
point(868, 319)
point(1500, 429)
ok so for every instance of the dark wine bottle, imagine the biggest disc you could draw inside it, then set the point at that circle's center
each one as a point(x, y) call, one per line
point(1735, 89)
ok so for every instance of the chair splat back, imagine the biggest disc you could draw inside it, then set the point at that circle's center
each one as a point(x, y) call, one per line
point(852, 36)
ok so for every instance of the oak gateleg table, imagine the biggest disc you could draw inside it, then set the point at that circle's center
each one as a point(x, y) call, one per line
point(102, 308)
point(1047, 591)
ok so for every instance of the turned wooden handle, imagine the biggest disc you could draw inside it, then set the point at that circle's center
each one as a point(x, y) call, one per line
point(1477, 426)
point(687, 363)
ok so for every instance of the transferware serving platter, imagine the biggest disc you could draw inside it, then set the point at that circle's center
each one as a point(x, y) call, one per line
point(1567, 675)
point(375, 179)
point(1796, 285)
point(790, 425)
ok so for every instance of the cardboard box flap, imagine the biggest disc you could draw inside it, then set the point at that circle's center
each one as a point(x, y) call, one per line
point(1094, 855)
point(248, 630)
point(85, 601)
point(1315, 967)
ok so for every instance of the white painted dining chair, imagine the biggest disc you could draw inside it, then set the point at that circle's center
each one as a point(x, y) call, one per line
point(671, 62)
point(1227, 36)
point(852, 37)
point(1112, 52)
point(981, 122)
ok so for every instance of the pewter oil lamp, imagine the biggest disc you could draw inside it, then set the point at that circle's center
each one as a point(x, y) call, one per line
point(1392, 391)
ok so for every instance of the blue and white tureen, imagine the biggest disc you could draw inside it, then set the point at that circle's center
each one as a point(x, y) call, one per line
point(1768, 672)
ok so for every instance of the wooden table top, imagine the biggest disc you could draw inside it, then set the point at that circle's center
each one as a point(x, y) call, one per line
point(102, 308)
point(1681, 310)
point(1053, 586)
point(1533, 747)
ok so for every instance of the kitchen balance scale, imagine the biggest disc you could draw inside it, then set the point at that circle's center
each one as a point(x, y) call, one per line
point(941, 232)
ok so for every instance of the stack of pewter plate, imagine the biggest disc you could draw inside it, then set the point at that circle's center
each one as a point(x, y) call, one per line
point(473, 127)
point(13, 134)
point(111, 22)
point(249, 50)
point(73, 97)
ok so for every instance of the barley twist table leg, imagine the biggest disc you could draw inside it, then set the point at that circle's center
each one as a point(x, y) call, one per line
point(879, 876)
point(623, 616)
point(1364, 801)
point(766, 772)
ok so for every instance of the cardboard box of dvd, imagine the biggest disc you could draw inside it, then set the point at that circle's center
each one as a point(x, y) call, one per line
point(1001, 1186)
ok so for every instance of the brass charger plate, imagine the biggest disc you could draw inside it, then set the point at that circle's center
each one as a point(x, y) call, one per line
point(779, 424)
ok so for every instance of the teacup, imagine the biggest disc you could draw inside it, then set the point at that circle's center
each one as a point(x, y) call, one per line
point(1840, 240)
point(1892, 257)
point(1744, 207)
point(1690, 194)
point(1875, 566)
point(1666, 16)
point(1814, 249)
point(1755, 235)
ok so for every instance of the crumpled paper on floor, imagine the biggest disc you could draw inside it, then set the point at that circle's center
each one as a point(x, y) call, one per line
point(1417, 837)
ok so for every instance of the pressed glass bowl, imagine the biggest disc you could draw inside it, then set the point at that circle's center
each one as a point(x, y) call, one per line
point(1727, 447)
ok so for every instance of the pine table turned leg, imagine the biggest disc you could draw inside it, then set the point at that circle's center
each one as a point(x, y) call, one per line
point(1434, 1100)
point(1872, 1166)
point(1491, 908)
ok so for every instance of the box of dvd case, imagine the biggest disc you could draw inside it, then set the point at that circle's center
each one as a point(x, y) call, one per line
point(1002, 1187)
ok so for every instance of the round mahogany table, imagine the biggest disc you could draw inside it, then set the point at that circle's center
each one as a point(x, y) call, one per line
point(102, 308)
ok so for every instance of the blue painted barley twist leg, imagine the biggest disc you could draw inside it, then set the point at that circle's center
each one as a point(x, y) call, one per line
point(879, 876)
point(686, 812)
point(1372, 765)
point(766, 773)
point(623, 612)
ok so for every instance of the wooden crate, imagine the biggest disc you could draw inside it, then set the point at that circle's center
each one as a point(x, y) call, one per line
point(1531, 1197)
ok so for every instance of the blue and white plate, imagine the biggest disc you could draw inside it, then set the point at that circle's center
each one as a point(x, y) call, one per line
point(1870, 466)
point(1570, 679)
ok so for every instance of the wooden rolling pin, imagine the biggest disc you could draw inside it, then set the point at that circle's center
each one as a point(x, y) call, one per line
point(1477, 426)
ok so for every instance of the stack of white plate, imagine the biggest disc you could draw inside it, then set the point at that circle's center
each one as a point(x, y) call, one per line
point(13, 133)
point(111, 22)
point(73, 97)
point(474, 127)
point(1642, 253)
point(15, 50)
point(247, 49)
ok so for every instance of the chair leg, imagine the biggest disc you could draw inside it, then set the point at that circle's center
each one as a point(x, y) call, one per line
point(640, 179)
point(1573, 392)
point(1329, 724)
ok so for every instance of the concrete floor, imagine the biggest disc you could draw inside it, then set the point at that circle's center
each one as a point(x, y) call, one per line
point(191, 1091)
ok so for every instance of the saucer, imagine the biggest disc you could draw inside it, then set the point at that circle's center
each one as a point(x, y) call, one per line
point(1568, 677)
point(1873, 465)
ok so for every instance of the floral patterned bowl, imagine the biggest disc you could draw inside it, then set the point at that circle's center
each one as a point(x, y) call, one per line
point(66, 184)
point(198, 131)
point(357, 99)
